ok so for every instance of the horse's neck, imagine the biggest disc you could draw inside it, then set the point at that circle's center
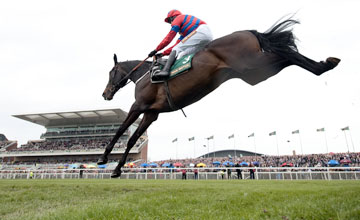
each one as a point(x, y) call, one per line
point(129, 65)
point(138, 73)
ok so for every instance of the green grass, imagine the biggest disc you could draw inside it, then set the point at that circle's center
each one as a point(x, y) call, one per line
point(176, 199)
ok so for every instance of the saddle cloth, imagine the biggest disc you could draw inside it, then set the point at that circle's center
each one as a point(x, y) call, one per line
point(180, 66)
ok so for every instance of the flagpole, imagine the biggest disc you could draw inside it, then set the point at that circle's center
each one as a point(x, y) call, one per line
point(327, 149)
point(176, 147)
point(347, 145)
point(253, 135)
point(177, 143)
point(194, 149)
point(298, 132)
point(323, 130)
point(277, 146)
point(233, 136)
point(208, 147)
point(234, 148)
point(208, 138)
point(352, 143)
point(255, 147)
point(302, 153)
point(214, 145)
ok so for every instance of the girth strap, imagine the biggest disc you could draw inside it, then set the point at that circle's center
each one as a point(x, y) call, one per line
point(169, 98)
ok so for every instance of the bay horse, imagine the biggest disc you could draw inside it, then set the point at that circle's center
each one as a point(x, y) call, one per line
point(248, 55)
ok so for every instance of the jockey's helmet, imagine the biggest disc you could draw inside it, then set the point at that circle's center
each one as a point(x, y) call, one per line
point(172, 13)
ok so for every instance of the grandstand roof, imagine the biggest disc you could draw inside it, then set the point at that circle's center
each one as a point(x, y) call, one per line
point(87, 117)
point(3, 138)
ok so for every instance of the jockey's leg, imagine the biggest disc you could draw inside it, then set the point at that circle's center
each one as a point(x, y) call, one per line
point(166, 70)
point(196, 42)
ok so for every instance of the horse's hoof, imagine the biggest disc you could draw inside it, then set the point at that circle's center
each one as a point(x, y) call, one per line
point(333, 61)
point(115, 174)
point(102, 160)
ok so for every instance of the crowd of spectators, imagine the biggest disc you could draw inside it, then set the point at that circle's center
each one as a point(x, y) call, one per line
point(63, 145)
point(73, 144)
point(310, 160)
point(82, 132)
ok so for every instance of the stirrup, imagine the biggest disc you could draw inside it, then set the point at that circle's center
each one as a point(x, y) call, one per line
point(161, 75)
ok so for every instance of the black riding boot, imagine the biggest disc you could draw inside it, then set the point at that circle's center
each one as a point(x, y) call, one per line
point(166, 70)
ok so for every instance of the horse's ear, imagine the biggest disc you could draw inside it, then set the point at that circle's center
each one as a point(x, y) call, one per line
point(115, 58)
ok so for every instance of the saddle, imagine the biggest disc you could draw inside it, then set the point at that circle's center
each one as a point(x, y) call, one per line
point(180, 66)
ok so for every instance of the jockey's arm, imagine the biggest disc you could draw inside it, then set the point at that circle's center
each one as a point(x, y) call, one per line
point(169, 37)
point(168, 51)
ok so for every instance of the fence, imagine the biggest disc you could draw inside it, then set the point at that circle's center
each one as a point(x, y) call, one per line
point(260, 173)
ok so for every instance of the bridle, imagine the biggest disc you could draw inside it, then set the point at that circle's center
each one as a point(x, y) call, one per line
point(126, 77)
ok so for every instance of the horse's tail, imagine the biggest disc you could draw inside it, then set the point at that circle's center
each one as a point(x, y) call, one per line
point(278, 39)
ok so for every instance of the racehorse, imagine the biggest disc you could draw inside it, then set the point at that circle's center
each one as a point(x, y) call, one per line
point(248, 55)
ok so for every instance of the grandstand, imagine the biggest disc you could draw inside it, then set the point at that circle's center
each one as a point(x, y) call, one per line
point(6, 144)
point(77, 136)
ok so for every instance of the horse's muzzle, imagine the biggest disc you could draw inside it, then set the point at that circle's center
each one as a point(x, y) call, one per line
point(107, 97)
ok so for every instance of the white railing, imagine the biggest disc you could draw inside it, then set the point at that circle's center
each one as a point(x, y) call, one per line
point(260, 173)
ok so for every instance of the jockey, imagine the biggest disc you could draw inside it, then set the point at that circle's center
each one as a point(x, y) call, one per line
point(194, 35)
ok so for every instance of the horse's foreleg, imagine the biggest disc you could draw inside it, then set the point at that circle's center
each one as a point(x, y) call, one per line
point(316, 68)
point(131, 118)
point(149, 117)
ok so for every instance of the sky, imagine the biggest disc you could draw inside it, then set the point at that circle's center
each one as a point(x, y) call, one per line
point(55, 56)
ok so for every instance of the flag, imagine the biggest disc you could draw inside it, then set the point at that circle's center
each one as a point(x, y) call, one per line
point(174, 140)
point(320, 129)
point(345, 129)
point(295, 132)
point(231, 136)
point(211, 137)
point(272, 133)
point(252, 135)
point(192, 138)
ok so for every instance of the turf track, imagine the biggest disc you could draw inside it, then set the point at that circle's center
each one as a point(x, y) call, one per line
point(176, 199)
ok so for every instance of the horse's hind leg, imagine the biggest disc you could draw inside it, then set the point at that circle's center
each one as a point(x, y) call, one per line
point(149, 117)
point(131, 118)
point(316, 68)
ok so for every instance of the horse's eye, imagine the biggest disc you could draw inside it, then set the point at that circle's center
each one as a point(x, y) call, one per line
point(112, 74)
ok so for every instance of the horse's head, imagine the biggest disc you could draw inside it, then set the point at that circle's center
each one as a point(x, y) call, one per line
point(117, 80)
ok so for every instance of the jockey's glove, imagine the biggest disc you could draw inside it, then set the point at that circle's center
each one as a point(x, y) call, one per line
point(152, 53)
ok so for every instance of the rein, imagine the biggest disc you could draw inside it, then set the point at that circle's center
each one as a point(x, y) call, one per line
point(129, 74)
